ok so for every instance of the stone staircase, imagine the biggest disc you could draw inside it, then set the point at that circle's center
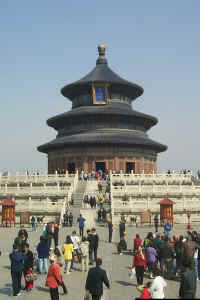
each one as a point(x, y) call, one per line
point(77, 198)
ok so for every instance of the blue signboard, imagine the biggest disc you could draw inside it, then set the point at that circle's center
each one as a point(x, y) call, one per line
point(100, 93)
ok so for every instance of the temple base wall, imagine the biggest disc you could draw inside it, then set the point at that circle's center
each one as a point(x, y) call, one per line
point(113, 159)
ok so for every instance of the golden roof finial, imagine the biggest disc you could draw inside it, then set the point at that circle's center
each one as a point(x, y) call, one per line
point(101, 50)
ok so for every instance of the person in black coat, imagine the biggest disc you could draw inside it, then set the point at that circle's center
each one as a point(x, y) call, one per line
point(28, 267)
point(110, 230)
point(187, 288)
point(55, 235)
point(122, 228)
point(95, 279)
point(93, 240)
point(156, 223)
point(71, 219)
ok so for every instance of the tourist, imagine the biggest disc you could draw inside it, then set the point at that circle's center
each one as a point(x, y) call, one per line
point(43, 254)
point(50, 232)
point(93, 245)
point(60, 260)
point(137, 242)
point(16, 259)
point(54, 278)
point(68, 250)
point(156, 221)
point(100, 187)
point(122, 228)
point(166, 258)
point(167, 228)
point(188, 249)
point(33, 223)
point(44, 231)
point(66, 219)
point(151, 255)
point(28, 268)
point(122, 245)
point(23, 231)
point(95, 279)
point(156, 289)
point(81, 222)
point(139, 263)
point(157, 242)
point(99, 213)
point(55, 235)
point(110, 230)
point(147, 239)
point(76, 242)
point(145, 291)
point(20, 242)
point(179, 258)
point(71, 219)
point(84, 248)
point(187, 288)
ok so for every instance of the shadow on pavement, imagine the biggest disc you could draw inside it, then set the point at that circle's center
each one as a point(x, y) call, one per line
point(125, 283)
point(42, 289)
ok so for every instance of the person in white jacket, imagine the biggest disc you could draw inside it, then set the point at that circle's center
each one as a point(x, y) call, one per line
point(157, 287)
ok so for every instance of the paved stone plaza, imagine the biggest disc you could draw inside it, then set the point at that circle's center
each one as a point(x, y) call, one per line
point(116, 265)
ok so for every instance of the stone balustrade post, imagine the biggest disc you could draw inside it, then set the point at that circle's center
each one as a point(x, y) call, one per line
point(29, 203)
point(58, 186)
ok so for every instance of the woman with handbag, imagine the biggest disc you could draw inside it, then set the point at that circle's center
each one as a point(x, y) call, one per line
point(139, 263)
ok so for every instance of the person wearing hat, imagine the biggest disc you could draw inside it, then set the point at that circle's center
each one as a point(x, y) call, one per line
point(54, 278)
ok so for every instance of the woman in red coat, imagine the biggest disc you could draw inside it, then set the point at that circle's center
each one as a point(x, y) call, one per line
point(139, 263)
point(54, 278)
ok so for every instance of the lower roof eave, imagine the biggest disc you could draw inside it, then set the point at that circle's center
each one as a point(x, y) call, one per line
point(47, 148)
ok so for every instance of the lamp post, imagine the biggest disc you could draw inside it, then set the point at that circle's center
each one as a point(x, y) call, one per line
point(188, 216)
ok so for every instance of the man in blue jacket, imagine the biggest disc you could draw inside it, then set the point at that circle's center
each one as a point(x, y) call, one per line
point(16, 259)
point(81, 222)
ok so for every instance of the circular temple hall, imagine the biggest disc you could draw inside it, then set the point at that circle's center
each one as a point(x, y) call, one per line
point(102, 131)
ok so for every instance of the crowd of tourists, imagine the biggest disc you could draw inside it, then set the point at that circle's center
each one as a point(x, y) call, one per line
point(56, 261)
point(94, 175)
point(162, 257)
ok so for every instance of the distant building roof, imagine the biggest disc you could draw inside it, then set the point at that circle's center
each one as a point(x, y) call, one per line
point(102, 73)
point(166, 201)
point(8, 202)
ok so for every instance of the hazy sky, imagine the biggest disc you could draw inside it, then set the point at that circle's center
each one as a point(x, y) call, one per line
point(47, 44)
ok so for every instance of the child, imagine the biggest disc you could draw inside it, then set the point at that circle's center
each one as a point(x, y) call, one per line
point(145, 292)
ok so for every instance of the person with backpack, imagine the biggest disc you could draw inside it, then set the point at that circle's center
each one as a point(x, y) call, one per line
point(84, 248)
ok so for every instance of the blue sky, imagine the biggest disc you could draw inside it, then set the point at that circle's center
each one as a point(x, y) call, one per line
point(47, 44)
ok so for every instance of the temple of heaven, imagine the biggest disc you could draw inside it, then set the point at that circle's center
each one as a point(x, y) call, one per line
point(102, 131)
